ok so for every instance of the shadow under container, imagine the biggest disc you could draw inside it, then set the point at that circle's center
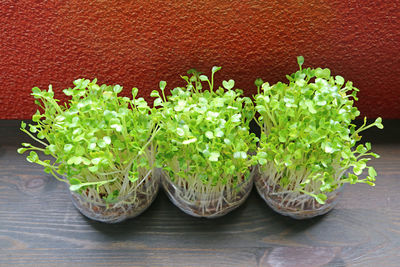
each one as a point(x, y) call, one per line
point(294, 204)
point(123, 208)
point(207, 201)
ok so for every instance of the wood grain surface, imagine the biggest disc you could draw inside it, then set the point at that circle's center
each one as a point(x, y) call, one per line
point(40, 227)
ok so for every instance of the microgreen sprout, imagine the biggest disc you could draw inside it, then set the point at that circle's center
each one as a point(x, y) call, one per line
point(102, 143)
point(308, 142)
point(204, 138)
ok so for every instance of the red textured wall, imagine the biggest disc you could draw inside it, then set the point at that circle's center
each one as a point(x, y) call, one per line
point(138, 43)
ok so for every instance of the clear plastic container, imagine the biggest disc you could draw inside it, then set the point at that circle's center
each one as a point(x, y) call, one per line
point(293, 204)
point(207, 201)
point(124, 208)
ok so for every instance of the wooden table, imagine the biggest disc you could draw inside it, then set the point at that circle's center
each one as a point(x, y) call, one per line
point(39, 225)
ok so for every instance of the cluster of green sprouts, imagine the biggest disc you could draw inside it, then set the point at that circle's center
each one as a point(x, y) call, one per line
point(308, 141)
point(204, 136)
point(102, 143)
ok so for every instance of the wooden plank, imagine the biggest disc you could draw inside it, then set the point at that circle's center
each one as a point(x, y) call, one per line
point(39, 225)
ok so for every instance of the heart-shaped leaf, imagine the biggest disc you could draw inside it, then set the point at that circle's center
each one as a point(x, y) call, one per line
point(228, 84)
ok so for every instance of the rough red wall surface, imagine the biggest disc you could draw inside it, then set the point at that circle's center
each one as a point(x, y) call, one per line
point(138, 43)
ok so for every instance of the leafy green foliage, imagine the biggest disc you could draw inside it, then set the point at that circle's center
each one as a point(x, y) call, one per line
point(204, 134)
point(308, 139)
point(98, 139)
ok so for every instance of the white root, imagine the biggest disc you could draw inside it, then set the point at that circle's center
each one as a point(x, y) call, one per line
point(289, 196)
point(142, 193)
point(206, 199)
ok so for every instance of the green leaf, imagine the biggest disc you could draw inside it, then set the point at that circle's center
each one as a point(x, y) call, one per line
point(180, 131)
point(301, 83)
point(186, 78)
point(155, 93)
point(75, 187)
point(339, 80)
point(203, 78)
point(353, 178)
point(310, 106)
point(68, 92)
point(345, 155)
point(79, 150)
point(371, 172)
point(117, 127)
point(361, 149)
point(85, 161)
point(68, 148)
point(218, 132)
point(192, 140)
point(368, 145)
point(36, 90)
point(378, 123)
point(134, 92)
point(215, 69)
point(228, 84)
point(321, 198)
point(227, 141)
point(92, 146)
point(74, 181)
point(95, 87)
point(326, 73)
point(300, 60)
point(23, 125)
point(101, 143)
point(32, 128)
point(94, 168)
point(214, 156)
point(107, 140)
point(322, 73)
point(240, 155)
point(328, 147)
point(258, 82)
point(33, 157)
point(134, 178)
point(74, 160)
point(262, 154)
point(36, 117)
point(96, 161)
point(261, 109)
point(117, 89)
point(192, 71)
point(369, 183)
point(357, 170)
point(262, 161)
point(236, 117)
point(209, 135)
point(52, 148)
point(21, 150)
point(162, 85)
point(157, 102)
